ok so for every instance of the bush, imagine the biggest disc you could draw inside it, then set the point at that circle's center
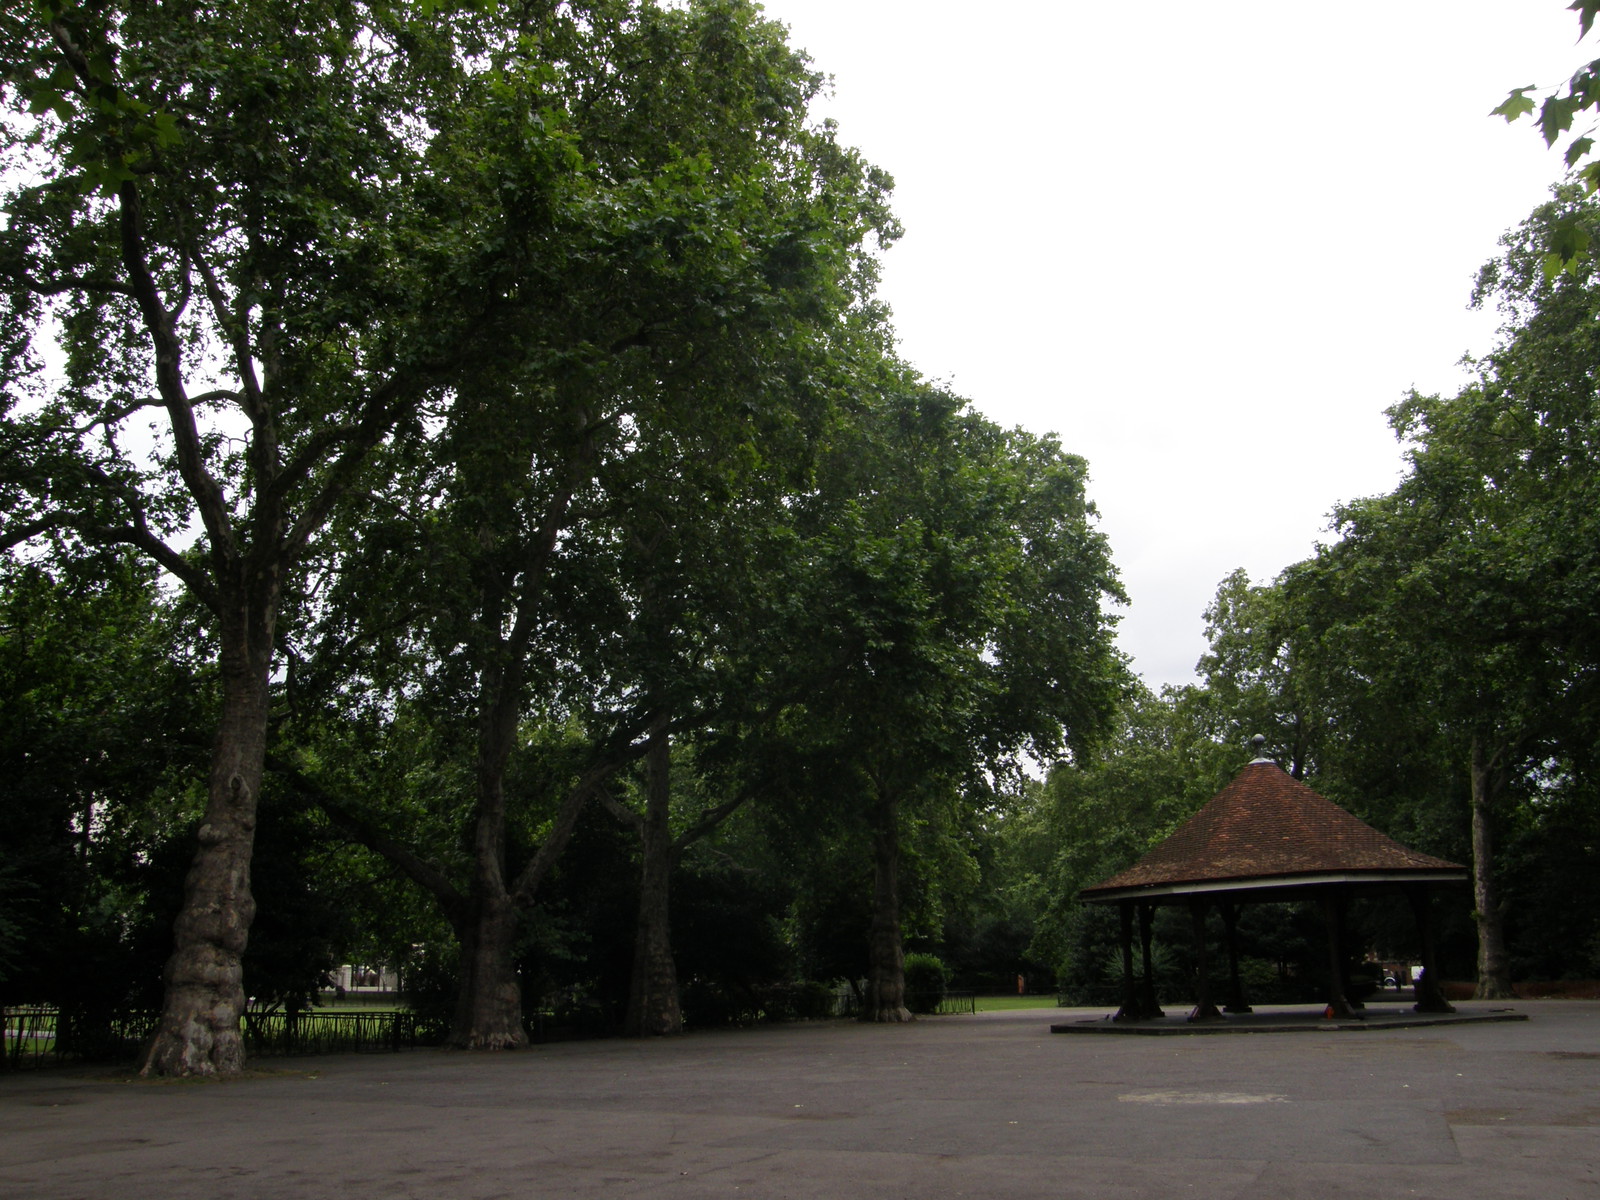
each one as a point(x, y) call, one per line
point(925, 976)
point(429, 984)
point(807, 1000)
point(713, 1004)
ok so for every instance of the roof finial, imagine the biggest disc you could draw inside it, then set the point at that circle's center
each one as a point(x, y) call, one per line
point(1256, 743)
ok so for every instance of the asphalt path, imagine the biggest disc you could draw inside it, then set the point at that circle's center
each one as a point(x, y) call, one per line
point(991, 1105)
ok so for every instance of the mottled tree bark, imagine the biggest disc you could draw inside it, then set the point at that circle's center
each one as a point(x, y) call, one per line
point(886, 975)
point(1494, 971)
point(488, 1013)
point(653, 1007)
point(489, 1005)
point(203, 999)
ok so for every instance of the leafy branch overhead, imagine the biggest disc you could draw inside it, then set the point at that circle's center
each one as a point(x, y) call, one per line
point(1568, 242)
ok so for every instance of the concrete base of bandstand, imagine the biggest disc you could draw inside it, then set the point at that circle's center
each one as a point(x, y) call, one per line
point(1293, 1019)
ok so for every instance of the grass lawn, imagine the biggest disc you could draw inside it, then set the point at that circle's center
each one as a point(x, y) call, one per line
point(1004, 1003)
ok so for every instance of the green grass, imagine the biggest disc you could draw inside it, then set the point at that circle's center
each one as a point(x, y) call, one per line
point(1006, 1003)
point(360, 1006)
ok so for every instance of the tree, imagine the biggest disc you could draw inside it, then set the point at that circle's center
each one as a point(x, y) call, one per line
point(567, 511)
point(1097, 814)
point(1566, 241)
point(954, 618)
point(1461, 604)
point(265, 225)
point(102, 722)
point(1260, 674)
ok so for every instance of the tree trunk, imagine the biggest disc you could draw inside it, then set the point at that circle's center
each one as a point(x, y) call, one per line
point(886, 975)
point(1494, 972)
point(653, 1007)
point(204, 998)
point(489, 1005)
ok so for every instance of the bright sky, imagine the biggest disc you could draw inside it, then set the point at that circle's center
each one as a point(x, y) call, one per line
point(1206, 244)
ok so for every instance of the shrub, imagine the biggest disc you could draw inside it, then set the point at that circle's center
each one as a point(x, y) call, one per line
point(925, 976)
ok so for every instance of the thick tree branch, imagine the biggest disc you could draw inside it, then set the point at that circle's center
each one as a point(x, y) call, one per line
point(625, 815)
point(17, 534)
point(526, 885)
point(363, 831)
point(81, 283)
point(161, 327)
point(140, 537)
point(710, 819)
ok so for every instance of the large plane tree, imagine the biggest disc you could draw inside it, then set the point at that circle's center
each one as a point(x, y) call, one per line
point(245, 245)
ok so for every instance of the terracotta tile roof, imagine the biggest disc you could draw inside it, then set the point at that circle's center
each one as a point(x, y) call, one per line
point(1268, 825)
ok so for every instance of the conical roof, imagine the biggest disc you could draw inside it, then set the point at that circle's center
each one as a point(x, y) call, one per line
point(1268, 830)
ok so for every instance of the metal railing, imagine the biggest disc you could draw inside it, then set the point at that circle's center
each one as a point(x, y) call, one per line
point(921, 1003)
point(948, 1004)
point(276, 1033)
point(36, 1036)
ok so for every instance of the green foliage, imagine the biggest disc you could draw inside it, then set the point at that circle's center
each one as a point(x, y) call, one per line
point(925, 976)
point(1438, 661)
point(103, 715)
point(1097, 815)
point(1565, 244)
point(429, 982)
point(520, 375)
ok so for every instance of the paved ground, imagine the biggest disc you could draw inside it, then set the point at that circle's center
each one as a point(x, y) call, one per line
point(987, 1105)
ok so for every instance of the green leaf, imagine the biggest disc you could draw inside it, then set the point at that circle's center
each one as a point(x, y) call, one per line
point(166, 129)
point(1569, 240)
point(1586, 10)
point(1516, 104)
point(1579, 147)
point(1555, 116)
point(45, 99)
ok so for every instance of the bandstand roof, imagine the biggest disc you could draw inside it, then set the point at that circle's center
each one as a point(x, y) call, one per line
point(1267, 836)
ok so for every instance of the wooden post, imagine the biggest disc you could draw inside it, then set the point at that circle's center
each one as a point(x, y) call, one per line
point(1236, 1001)
point(1148, 1003)
point(1429, 998)
point(1332, 906)
point(1130, 1010)
point(1204, 1010)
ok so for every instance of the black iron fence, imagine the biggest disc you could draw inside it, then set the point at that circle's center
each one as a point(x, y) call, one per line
point(946, 1004)
point(35, 1036)
point(276, 1033)
point(926, 1004)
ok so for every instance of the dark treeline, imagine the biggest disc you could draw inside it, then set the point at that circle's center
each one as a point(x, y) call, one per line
point(469, 443)
point(461, 509)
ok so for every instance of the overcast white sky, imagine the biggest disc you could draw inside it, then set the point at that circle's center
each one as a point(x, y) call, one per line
point(1207, 244)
